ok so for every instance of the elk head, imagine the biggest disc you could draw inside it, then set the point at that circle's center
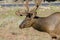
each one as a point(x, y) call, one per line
point(28, 22)
point(30, 15)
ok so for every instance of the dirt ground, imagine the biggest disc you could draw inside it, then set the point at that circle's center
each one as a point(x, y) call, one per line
point(9, 24)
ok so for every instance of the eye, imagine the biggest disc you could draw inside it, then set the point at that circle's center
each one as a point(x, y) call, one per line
point(21, 15)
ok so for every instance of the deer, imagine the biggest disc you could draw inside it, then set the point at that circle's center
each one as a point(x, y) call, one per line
point(49, 24)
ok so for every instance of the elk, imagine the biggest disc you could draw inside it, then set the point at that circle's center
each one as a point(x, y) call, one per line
point(50, 24)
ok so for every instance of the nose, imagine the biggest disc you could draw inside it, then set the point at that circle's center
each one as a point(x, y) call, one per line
point(21, 26)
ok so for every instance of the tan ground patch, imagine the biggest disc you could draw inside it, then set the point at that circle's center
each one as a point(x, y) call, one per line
point(9, 25)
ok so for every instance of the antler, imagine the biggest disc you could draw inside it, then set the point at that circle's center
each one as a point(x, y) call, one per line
point(20, 12)
point(27, 5)
point(33, 11)
point(37, 4)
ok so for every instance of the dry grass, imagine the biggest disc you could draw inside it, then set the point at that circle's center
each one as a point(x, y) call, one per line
point(9, 25)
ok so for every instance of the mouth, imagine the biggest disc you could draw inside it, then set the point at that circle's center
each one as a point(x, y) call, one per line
point(20, 27)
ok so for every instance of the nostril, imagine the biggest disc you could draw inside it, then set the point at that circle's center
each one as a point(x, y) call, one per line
point(20, 27)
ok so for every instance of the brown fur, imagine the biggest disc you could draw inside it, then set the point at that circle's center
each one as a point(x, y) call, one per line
point(50, 24)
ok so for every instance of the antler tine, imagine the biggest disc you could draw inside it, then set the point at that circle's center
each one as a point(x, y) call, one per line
point(27, 5)
point(37, 3)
